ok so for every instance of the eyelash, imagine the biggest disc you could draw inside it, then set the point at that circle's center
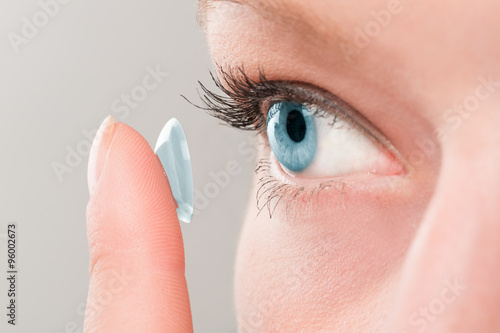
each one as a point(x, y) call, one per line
point(271, 191)
point(241, 99)
point(240, 105)
point(240, 102)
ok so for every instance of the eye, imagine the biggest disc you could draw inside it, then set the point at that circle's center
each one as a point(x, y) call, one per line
point(292, 135)
point(312, 146)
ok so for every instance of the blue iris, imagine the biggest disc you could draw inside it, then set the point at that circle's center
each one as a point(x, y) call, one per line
point(292, 135)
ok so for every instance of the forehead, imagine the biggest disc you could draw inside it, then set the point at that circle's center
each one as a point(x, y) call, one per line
point(369, 31)
point(310, 15)
point(353, 21)
point(309, 18)
point(279, 10)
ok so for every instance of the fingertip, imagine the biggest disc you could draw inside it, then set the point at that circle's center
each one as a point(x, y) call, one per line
point(98, 152)
point(132, 224)
point(132, 187)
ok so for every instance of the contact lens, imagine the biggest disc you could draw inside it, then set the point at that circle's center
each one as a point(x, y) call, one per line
point(292, 135)
point(172, 150)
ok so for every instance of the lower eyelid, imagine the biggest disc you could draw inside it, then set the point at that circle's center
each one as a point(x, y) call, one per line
point(355, 181)
point(278, 191)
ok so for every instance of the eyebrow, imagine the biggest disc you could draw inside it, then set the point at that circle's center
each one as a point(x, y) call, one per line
point(204, 7)
point(288, 13)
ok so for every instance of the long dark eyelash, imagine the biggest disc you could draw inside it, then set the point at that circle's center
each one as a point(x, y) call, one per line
point(239, 103)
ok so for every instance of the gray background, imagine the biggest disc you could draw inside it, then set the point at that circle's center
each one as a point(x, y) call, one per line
point(61, 83)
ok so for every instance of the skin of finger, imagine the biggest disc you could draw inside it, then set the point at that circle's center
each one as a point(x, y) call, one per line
point(137, 280)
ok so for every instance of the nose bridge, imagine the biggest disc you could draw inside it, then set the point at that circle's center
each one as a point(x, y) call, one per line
point(450, 279)
point(468, 188)
point(467, 195)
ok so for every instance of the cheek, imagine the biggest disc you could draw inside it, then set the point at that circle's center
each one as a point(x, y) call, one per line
point(330, 261)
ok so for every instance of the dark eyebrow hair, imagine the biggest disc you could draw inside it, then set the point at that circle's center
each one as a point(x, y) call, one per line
point(289, 13)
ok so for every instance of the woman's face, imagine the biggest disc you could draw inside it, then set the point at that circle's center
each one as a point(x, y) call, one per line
point(393, 223)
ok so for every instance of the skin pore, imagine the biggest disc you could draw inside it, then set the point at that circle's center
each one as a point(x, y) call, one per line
point(407, 253)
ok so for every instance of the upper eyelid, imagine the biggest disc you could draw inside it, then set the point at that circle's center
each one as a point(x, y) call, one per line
point(323, 104)
point(243, 100)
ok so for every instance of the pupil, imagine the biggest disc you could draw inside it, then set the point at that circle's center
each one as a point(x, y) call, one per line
point(296, 126)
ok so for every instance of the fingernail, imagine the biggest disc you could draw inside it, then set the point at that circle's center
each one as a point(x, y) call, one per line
point(172, 149)
point(99, 151)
